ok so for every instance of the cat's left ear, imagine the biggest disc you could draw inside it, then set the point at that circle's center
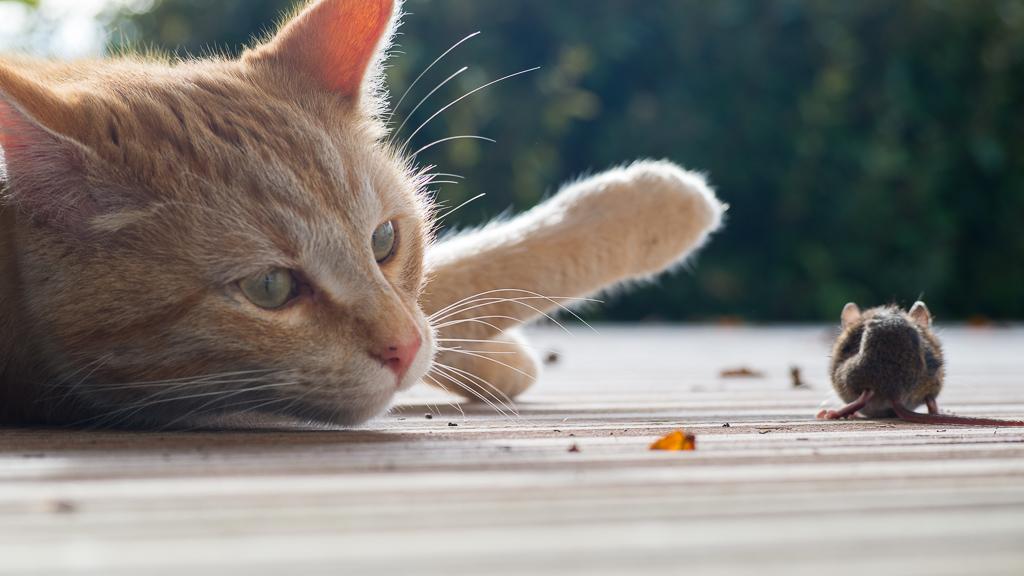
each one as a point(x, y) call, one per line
point(42, 168)
point(338, 45)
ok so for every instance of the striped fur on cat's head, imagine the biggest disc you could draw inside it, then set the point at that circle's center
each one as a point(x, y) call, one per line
point(216, 235)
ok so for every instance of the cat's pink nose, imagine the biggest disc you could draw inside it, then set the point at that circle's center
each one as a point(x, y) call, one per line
point(399, 357)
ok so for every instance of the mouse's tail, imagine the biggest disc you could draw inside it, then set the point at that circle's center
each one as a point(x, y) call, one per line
point(947, 419)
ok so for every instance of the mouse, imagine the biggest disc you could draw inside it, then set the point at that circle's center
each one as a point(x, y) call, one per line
point(887, 362)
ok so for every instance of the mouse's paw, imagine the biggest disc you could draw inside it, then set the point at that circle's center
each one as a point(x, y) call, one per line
point(830, 415)
point(839, 415)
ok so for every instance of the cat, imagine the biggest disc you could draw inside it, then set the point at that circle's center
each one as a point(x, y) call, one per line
point(185, 242)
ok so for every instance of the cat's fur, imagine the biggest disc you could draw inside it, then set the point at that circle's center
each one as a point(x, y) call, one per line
point(138, 193)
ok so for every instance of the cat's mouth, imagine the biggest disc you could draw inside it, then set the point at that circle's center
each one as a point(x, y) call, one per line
point(420, 364)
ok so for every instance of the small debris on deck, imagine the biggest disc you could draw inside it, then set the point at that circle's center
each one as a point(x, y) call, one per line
point(798, 382)
point(741, 372)
point(60, 507)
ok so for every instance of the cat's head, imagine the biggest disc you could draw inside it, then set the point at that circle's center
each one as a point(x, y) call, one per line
point(220, 235)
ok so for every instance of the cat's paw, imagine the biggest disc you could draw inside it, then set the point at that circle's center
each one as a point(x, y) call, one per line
point(499, 369)
point(655, 212)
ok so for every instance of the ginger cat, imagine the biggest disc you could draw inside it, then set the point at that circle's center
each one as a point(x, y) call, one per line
point(195, 240)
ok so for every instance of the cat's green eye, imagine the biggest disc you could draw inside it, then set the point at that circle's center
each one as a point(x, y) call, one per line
point(271, 289)
point(383, 241)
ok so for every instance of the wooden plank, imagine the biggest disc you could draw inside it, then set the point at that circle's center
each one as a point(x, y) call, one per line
point(774, 492)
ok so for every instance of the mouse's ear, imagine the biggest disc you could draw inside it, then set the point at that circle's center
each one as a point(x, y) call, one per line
point(920, 314)
point(851, 314)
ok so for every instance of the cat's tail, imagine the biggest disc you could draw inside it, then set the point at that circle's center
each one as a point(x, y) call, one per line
point(623, 225)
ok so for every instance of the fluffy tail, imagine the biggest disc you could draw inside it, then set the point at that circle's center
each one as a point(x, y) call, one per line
point(625, 224)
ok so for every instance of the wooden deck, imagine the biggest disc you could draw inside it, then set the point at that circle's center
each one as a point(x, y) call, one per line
point(775, 492)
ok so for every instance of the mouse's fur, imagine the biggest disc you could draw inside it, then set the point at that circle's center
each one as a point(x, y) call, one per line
point(887, 362)
point(138, 193)
point(891, 352)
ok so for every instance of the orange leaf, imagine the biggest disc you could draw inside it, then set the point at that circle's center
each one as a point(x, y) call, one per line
point(677, 440)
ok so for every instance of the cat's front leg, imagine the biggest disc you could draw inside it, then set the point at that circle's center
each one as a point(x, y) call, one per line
point(624, 224)
point(494, 370)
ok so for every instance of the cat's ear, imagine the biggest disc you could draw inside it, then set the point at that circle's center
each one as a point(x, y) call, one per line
point(338, 45)
point(43, 170)
point(851, 313)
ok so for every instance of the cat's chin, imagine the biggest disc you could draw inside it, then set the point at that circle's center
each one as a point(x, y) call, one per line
point(362, 403)
point(346, 417)
point(419, 368)
point(355, 406)
point(324, 399)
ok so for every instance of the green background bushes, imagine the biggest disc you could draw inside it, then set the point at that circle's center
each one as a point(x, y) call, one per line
point(871, 150)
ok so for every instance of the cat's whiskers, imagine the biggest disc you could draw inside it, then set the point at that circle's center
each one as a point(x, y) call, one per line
point(434, 178)
point(483, 302)
point(92, 367)
point(459, 349)
point(479, 320)
point(474, 341)
point(457, 407)
point(431, 406)
point(441, 371)
point(512, 301)
point(134, 408)
point(478, 387)
point(225, 407)
point(491, 389)
point(449, 139)
point(427, 97)
point(175, 385)
point(261, 404)
point(462, 302)
point(419, 129)
point(426, 179)
point(449, 381)
point(489, 359)
point(424, 73)
point(216, 400)
point(533, 295)
point(461, 206)
point(235, 377)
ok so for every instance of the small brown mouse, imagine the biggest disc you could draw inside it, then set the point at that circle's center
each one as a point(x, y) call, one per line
point(887, 362)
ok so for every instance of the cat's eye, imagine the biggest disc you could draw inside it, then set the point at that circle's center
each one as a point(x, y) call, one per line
point(271, 289)
point(383, 241)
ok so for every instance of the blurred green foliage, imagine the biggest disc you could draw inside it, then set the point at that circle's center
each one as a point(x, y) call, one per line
point(871, 150)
